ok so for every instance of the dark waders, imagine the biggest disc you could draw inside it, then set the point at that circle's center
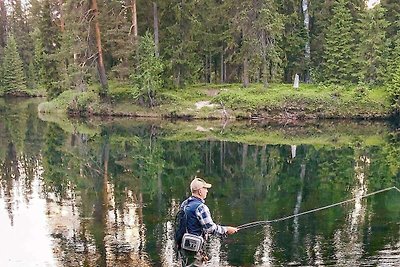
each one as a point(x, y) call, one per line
point(191, 258)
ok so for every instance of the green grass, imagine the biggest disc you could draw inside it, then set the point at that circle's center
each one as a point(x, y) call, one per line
point(331, 101)
point(309, 100)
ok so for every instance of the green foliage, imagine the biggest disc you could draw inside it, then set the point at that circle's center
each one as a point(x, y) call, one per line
point(13, 72)
point(257, 27)
point(38, 64)
point(372, 64)
point(328, 101)
point(147, 77)
point(394, 90)
point(293, 40)
point(82, 103)
point(392, 16)
point(181, 38)
point(20, 29)
point(50, 37)
point(339, 49)
point(123, 91)
point(73, 102)
point(117, 36)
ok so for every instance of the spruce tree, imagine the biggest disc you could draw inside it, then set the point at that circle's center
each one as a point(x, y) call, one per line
point(257, 27)
point(117, 37)
point(392, 16)
point(73, 50)
point(394, 86)
point(293, 40)
point(38, 64)
point(50, 36)
point(339, 46)
point(321, 14)
point(180, 41)
point(13, 70)
point(20, 29)
point(147, 77)
point(372, 64)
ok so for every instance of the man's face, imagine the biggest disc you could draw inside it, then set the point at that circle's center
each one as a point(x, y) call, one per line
point(204, 192)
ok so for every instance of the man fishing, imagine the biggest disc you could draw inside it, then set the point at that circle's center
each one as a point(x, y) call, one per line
point(198, 224)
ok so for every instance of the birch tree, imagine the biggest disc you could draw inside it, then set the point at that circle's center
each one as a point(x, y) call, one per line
point(307, 48)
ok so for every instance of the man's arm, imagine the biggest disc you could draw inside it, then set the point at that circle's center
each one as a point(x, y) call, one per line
point(204, 216)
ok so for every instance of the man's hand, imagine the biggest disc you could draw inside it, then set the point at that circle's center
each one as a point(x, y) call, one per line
point(231, 230)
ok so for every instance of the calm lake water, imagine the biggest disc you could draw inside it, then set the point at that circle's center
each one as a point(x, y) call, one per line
point(104, 193)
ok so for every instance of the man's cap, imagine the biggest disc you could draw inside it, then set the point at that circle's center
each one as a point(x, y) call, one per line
point(198, 183)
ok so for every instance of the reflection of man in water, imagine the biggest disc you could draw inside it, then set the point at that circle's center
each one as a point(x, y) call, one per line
point(199, 222)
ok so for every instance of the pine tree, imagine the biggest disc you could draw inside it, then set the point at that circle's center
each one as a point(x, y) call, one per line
point(99, 48)
point(339, 48)
point(372, 64)
point(13, 71)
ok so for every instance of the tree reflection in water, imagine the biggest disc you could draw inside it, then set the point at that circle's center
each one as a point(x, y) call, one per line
point(105, 195)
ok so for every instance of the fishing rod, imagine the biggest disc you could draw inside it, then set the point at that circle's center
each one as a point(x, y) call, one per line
point(259, 223)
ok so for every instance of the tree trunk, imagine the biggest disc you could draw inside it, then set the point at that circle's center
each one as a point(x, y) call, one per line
point(156, 41)
point(3, 24)
point(62, 21)
point(307, 49)
point(245, 72)
point(205, 68)
point(177, 77)
point(209, 68)
point(134, 28)
point(100, 62)
point(264, 59)
point(222, 65)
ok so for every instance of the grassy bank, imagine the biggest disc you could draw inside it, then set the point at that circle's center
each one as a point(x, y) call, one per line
point(279, 102)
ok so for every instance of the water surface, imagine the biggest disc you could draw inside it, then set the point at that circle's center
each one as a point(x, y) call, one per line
point(104, 193)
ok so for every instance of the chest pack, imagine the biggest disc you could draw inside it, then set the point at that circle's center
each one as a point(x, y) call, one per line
point(183, 239)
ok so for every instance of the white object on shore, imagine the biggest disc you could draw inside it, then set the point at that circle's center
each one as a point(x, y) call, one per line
point(296, 81)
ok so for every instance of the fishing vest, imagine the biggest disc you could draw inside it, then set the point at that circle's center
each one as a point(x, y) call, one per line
point(193, 225)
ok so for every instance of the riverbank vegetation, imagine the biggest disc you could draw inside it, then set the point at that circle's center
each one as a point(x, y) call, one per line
point(278, 103)
point(147, 58)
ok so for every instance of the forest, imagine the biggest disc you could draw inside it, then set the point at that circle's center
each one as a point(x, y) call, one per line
point(59, 45)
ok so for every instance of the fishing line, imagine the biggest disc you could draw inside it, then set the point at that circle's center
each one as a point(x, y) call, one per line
point(259, 223)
